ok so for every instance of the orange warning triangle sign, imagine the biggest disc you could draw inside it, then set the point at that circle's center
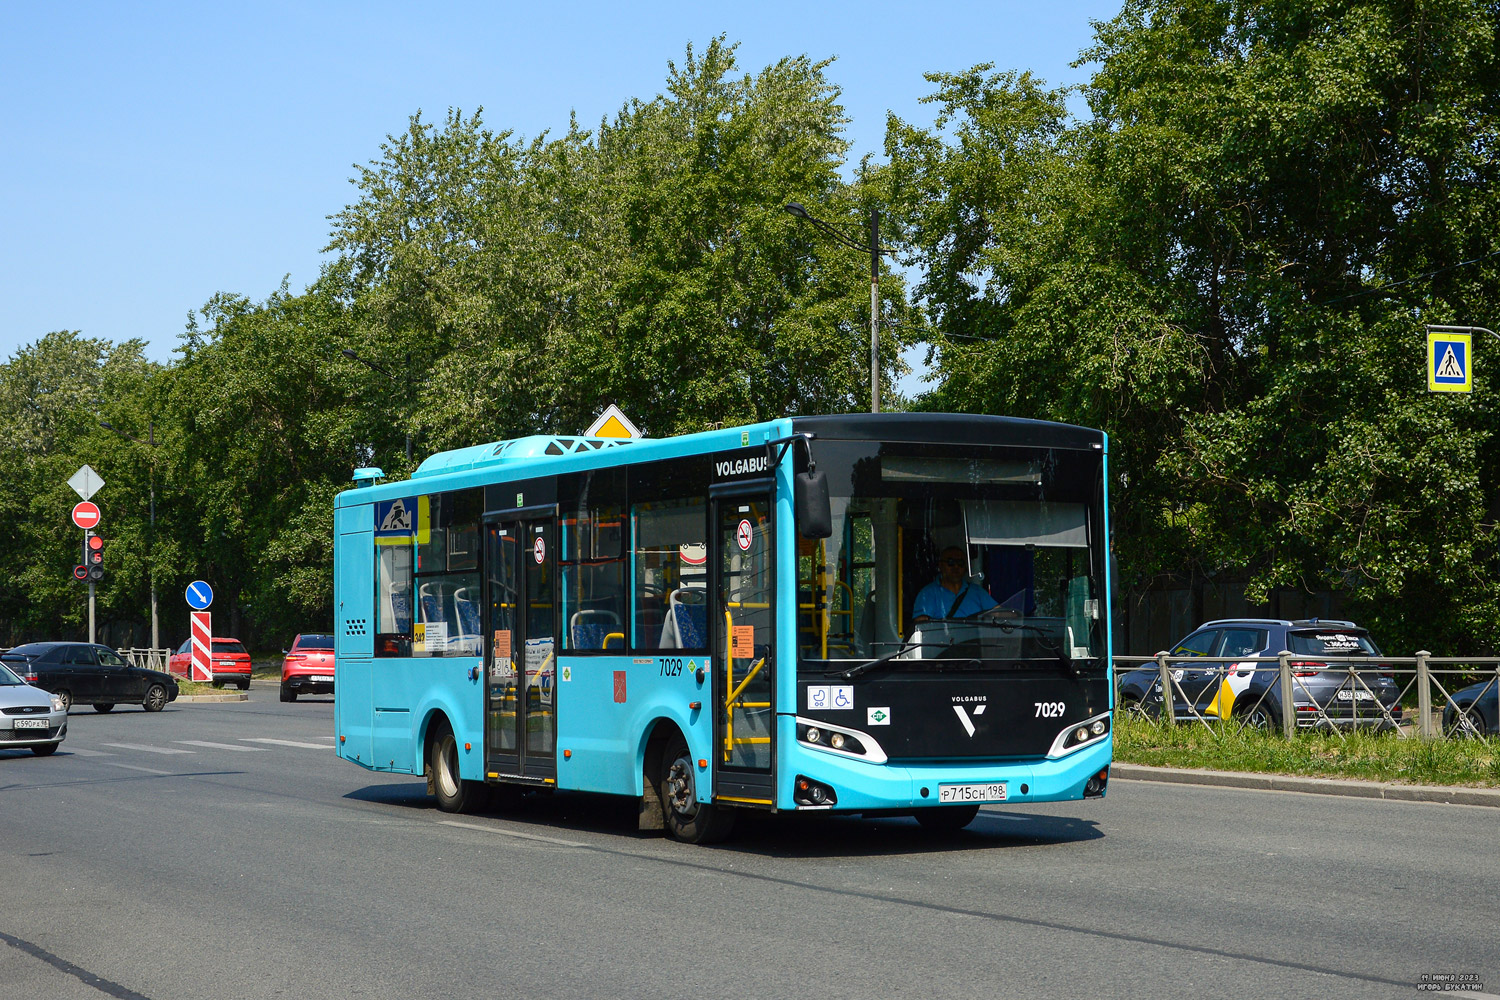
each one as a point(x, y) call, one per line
point(612, 424)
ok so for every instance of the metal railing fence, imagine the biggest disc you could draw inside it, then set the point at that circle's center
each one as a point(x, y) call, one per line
point(1329, 693)
point(154, 659)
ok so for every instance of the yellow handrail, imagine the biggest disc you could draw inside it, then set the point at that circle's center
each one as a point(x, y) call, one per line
point(732, 699)
point(735, 695)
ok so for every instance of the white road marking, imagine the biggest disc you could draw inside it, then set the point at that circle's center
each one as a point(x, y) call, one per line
point(286, 743)
point(85, 753)
point(142, 746)
point(222, 746)
point(511, 833)
point(132, 767)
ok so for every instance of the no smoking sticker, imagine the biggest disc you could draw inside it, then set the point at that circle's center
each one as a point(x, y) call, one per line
point(539, 550)
point(744, 535)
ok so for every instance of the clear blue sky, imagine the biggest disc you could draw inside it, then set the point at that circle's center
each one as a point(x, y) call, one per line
point(157, 153)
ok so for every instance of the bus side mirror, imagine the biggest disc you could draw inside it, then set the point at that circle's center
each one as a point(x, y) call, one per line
point(814, 516)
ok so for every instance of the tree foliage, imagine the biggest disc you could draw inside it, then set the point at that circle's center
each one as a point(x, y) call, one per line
point(481, 286)
point(1228, 266)
point(1226, 263)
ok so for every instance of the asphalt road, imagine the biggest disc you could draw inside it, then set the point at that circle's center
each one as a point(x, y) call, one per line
point(188, 854)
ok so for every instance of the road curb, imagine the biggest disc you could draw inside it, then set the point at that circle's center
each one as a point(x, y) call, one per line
point(226, 696)
point(1451, 794)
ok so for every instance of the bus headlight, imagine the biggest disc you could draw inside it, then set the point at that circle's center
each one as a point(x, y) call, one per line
point(848, 743)
point(1078, 734)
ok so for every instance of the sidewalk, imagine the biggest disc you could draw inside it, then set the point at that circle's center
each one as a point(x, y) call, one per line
point(1462, 795)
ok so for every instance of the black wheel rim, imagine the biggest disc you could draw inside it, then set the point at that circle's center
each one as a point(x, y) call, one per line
point(682, 795)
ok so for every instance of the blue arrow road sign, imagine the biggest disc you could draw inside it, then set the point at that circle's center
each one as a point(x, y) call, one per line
point(199, 595)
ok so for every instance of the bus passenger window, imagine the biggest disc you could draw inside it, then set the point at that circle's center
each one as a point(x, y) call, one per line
point(393, 597)
point(593, 578)
point(671, 579)
point(446, 604)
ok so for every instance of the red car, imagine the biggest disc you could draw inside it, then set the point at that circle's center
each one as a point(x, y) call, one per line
point(308, 667)
point(228, 661)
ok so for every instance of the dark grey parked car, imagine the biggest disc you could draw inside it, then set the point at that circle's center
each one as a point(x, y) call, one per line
point(1254, 689)
point(89, 674)
point(1480, 704)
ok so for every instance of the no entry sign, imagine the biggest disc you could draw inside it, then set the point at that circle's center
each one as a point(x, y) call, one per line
point(86, 514)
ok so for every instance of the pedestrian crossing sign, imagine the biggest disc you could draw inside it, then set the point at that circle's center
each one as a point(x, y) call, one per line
point(1450, 365)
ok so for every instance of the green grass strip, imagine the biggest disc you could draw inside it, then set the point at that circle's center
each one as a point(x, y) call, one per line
point(1365, 755)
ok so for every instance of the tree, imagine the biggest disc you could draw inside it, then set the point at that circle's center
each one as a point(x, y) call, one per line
point(1227, 267)
point(52, 395)
point(265, 424)
point(648, 264)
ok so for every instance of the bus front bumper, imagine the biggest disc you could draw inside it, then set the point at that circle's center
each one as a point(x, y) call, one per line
point(859, 786)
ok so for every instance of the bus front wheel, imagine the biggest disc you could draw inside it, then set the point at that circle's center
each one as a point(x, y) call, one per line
point(687, 819)
point(454, 794)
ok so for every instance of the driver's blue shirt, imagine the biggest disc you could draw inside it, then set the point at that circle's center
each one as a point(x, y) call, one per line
point(934, 600)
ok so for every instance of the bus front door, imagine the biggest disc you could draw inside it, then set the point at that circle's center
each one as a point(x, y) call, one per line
point(744, 647)
point(520, 650)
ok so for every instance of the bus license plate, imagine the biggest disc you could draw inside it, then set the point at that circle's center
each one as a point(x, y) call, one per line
point(30, 724)
point(991, 791)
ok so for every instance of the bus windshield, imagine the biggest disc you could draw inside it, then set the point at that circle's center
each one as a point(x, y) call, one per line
point(988, 560)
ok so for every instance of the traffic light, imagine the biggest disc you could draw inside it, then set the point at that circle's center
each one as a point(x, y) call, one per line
point(93, 555)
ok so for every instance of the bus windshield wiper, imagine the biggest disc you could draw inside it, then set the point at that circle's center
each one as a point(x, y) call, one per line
point(1008, 624)
point(869, 665)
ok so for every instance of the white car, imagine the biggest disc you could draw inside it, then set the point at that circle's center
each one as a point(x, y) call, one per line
point(30, 718)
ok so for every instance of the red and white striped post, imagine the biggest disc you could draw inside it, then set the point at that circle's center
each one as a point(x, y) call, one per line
point(203, 642)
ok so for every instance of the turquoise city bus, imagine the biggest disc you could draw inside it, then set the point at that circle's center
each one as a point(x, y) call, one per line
point(869, 613)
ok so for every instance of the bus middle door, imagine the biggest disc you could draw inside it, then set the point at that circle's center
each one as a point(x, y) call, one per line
point(520, 650)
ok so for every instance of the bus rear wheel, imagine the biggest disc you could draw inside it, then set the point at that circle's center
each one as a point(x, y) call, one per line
point(687, 819)
point(454, 794)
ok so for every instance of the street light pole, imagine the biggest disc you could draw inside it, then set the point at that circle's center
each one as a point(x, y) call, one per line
point(151, 540)
point(874, 310)
point(875, 250)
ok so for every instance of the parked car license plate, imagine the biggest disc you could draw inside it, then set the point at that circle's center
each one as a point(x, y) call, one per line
point(1344, 694)
point(323, 677)
point(988, 791)
point(30, 724)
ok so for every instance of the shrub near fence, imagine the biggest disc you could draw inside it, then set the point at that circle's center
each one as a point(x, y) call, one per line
point(1423, 704)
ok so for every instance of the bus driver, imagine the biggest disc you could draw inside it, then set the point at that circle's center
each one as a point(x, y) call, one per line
point(950, 595)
